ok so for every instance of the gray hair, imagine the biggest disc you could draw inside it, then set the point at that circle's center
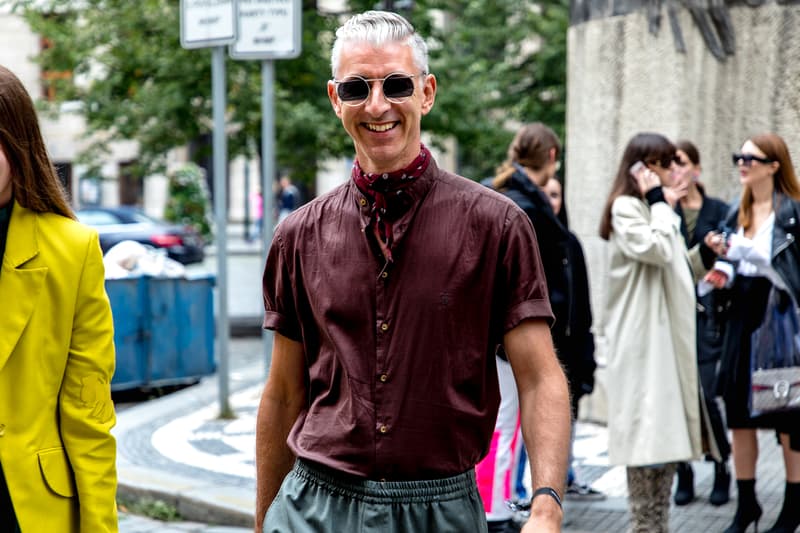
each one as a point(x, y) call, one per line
point(379, 28)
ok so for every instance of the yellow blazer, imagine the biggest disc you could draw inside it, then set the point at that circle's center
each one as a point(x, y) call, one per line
point(56, 363)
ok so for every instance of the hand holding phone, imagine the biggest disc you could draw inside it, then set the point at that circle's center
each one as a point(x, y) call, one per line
point(636, 168)
point(644, 177)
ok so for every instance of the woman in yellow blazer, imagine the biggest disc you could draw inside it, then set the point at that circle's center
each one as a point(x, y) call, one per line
point(57, 455)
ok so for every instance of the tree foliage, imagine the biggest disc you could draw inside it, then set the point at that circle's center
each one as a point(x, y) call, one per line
point(497, 63)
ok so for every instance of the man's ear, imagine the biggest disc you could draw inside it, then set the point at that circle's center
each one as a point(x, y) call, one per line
point(553, 154)
point(428, 93)
point(334, 98)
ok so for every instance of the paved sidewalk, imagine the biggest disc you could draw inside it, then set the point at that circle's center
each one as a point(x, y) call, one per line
point(176, 449)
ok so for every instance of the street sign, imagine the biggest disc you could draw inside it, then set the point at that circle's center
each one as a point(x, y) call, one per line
point(268, 29)
point(207, 23)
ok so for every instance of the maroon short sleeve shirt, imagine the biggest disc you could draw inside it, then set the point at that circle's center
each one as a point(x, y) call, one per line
point(402, 382)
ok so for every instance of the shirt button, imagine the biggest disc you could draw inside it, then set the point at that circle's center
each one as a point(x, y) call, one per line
point(384, 274)
point(384, 327)
point(383, 429)
point(362, 201)
point(384, 378)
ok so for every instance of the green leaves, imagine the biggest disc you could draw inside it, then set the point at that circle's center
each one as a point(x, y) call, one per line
point(498, 64)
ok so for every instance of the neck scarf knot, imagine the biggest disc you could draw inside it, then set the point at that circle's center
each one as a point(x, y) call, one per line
point(387, 199)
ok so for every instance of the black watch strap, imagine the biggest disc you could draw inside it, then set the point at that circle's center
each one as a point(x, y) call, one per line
point(550, 491)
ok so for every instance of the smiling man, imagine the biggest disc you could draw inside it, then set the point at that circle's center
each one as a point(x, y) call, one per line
point(389, 297)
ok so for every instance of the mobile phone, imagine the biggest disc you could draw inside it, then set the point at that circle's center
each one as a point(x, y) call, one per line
point(636, 168)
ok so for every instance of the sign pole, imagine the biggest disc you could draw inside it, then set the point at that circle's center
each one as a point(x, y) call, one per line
point(220, 147)
point(267, 30)
point(267, 176)
point(212, 25)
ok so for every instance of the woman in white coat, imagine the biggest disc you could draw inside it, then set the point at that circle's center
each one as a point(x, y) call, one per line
point(653, 402)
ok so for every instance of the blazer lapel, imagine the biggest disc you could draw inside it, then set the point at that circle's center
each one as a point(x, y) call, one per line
point(20, 287)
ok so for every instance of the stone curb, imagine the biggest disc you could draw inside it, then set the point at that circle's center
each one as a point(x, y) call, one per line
point(195, 498)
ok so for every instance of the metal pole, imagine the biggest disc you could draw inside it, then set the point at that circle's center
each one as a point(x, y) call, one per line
point(246, 232)
point(221, 211)
point(267, 176)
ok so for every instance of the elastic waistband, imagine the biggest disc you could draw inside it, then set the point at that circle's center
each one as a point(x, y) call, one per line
point(371, 491)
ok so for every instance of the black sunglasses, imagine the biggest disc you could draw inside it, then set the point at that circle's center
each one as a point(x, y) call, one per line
point(747, 159)
point(355, 89)
point(664, 162)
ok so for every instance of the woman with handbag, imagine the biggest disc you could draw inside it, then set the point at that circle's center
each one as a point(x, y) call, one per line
point(760, 256)
point(652, 379)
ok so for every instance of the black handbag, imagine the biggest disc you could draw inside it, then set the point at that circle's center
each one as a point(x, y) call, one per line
point(775, 357)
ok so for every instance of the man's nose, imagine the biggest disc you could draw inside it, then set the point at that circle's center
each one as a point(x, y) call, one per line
point(376, 101)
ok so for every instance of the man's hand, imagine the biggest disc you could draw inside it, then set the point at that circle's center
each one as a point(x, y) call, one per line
point(546, 516)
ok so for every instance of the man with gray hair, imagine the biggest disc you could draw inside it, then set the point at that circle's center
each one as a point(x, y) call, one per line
point(389, 297)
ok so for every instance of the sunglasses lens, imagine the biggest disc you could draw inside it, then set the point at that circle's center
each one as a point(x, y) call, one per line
point(353, 90)
point(398, 86)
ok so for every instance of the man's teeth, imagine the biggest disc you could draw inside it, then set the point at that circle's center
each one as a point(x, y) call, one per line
point(380, 127)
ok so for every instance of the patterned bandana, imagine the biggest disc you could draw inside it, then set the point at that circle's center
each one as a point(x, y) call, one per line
point(385, 192)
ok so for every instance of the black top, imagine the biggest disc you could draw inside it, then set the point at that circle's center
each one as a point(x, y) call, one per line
point(5, 218)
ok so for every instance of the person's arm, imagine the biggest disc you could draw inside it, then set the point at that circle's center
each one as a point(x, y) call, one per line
point(86, 411)
point(545, 415)
point(283, 399)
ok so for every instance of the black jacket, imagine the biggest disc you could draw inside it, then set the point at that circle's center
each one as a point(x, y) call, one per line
point(567, 282)
point(785, 246)
point(712, 307)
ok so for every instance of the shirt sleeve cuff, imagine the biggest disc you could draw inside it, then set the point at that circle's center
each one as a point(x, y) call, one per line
point(277, 322)
point(530, 309)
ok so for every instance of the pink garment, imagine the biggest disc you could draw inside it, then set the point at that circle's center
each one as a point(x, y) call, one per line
point(257, 204)
point(495, 473)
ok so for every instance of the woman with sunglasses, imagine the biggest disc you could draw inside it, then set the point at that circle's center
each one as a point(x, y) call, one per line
point(700, 214)
point(652, 382)
point(760, 253)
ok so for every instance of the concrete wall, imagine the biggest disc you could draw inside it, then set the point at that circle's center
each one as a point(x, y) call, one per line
point(622, 80)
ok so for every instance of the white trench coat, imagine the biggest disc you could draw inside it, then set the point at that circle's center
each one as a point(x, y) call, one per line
point(653, 393)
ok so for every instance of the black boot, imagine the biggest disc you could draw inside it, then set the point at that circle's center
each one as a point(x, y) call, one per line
point(789, 518)
point(747, 508)
point(722, 484)
point(684, 491)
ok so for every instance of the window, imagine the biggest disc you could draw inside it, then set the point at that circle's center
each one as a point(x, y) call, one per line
point(131, 188)
point(51, 79)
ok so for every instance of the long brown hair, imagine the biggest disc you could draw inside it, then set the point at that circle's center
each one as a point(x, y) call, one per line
point(784, 180)
point(642, 147)
point(34, 180)
point(530, 148)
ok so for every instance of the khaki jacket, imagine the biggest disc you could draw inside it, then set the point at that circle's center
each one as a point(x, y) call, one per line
point(653, 392)
point(56, 363)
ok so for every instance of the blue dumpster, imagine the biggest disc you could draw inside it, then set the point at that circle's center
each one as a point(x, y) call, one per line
point(128, 298)
point(181, 329)
point(163, 330)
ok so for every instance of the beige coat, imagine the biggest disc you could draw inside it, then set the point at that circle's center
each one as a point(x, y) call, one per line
point(653, 402)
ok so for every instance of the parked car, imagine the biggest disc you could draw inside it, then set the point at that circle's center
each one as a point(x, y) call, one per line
point(116, 224)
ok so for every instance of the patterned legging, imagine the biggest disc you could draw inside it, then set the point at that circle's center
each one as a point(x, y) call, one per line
point(648, 497)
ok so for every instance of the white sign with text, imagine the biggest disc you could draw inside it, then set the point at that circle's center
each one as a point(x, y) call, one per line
point(268, 29)
point(206, 23)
